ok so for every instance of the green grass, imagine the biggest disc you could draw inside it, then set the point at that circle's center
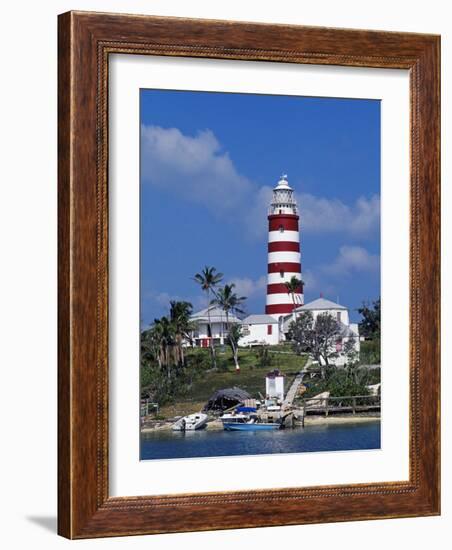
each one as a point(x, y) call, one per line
point(250, 378)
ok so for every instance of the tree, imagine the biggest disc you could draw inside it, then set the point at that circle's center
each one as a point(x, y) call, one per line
point(351, 358)
point(350, 351)
point(293, 287)
point(164, 369)
point(301, 332)
point(150, 347)
point(227, 299)
point(370, 325)
point(235, 333)
point(263, 356)
point(165, 336)
point(180, 313)
point(208, 279)
point(316, 337)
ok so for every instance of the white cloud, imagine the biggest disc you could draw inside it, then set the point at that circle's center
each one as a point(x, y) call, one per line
point(197, 168)
point(321, 215)
point(328, 278)
point(193, 167)
point(317, 282)
point(352, 259)
point(161, 300)
point(256, 216)
point(244, 286)
point(310, 280)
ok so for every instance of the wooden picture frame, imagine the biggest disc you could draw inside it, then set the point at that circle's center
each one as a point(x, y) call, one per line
point(86, 40)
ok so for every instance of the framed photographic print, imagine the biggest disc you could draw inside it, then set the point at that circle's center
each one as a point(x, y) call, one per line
point(248, 275)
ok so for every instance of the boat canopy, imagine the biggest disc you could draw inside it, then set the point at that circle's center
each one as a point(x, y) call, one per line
point(225, 399)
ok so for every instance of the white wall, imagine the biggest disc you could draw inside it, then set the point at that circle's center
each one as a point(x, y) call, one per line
point(274, 387)
point(218, 330)
point(28, 273)
point(259, 333)
point(333, 312)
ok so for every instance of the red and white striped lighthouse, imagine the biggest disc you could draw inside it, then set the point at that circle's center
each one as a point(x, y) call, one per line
point(284, 260)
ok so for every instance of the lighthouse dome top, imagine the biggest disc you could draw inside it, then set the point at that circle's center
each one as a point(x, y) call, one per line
point(283, 200)
point(283, 183)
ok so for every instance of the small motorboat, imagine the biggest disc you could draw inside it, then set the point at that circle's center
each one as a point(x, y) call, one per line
point(250, 426)
point(245, 419)
point(191, 422)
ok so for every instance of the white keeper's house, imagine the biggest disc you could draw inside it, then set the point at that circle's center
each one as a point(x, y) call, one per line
point(218, 329)
point(348, 331)
point(259, 330)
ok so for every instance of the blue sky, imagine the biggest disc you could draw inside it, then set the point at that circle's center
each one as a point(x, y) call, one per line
point(208, 164)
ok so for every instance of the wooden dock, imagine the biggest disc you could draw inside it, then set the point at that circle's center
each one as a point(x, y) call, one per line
point(289, 414)
point(346, 404)
point(293, 390)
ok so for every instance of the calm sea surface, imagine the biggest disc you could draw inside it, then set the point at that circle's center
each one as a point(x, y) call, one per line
point(343, 437)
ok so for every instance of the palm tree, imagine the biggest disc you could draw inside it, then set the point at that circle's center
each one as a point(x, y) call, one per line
point(235, 333)
point(150, 346)
point(180, 313)
point(164, 333)
point(229, 302)
point(209, 279)
point(293, 287)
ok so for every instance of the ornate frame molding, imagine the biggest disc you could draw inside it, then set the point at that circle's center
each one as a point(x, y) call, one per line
point(85, 42)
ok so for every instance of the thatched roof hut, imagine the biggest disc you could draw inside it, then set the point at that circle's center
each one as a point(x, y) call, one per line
point(225, 399)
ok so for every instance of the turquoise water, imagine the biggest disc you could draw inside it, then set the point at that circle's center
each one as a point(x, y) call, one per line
point(205, 443)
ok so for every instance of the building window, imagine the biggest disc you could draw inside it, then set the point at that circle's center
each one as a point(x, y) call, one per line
point(338, 316)
point(282, 274)
point(269, 329)
point(281, 229)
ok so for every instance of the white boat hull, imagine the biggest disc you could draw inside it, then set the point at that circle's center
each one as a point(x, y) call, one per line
point(191, 422)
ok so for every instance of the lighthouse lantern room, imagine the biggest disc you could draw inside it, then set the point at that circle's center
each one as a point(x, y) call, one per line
point(284, 259)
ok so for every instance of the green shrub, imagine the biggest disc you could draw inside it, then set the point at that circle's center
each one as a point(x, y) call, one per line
point(264, 358)
point(339, 382)
point(370, 352)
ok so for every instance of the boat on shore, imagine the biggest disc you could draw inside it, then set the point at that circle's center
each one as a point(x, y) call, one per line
point(191, 422)
point(245, 419)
